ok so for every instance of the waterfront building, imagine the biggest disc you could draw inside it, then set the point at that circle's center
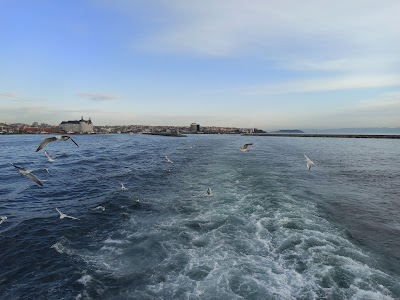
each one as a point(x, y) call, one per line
point(194, 128)
point(81, 126)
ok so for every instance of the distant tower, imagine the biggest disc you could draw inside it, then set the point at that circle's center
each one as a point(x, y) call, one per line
point(194, 128)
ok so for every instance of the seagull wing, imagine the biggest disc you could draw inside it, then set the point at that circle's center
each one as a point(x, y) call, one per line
point(59, 211)
point(74, 142)
point(45, 142)
point(71, 217)
point(48, 155)
point(20, 168)
point(35, 179)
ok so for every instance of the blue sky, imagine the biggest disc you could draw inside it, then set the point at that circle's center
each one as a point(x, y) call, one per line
point(266, 64)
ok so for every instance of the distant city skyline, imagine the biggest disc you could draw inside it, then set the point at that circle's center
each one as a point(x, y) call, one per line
point(268, 65)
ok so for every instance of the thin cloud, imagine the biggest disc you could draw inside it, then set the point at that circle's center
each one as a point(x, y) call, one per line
point(346, 64)
point(387, 102)
point(325, 85)
point(14, 97)
point(228, 27)
point(98, 97)
point(8, 95)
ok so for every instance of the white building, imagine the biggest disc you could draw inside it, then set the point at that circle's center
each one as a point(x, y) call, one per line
point(81, 126)
point(194, 128)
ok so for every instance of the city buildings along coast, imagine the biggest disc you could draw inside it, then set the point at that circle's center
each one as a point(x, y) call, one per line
point(86, 126)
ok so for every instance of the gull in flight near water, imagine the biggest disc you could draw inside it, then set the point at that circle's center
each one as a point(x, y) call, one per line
point(123, 187)
point(309, 162)
point(48, 156)
point(62, 215)
point(54, 138)
point(245, 147)
point(2, 219)
point(209, 192)
point(168, 160)
point(28, 173)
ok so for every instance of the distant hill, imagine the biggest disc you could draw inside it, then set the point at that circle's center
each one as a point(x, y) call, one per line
point(369, 130)
point(288, 131)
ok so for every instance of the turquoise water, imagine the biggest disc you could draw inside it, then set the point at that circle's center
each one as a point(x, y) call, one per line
point(271, 229)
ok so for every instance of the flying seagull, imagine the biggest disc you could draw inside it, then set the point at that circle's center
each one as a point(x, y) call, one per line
point(2, 219)
point(309, 162)
point(209, 192)
point(123, 187)
point(168, 160)
point(29, 174)
point(48, 156)
point(54, 138)
point(62, 215)
point(245, 147)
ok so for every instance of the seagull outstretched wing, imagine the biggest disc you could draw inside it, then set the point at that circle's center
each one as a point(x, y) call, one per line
point(45, 142)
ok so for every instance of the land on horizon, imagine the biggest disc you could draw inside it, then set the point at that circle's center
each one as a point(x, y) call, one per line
point(16, 127)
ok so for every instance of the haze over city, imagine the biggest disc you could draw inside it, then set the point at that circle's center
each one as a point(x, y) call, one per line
point(292, 64)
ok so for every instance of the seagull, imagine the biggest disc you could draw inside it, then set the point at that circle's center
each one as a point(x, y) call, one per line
point(209, 192)
point(29, 174)
point(54, 138)
point(168, 160)
point(62, 216)
point(49, 157)
point(245, 147)
point(2, 219)
point(309, 162)
point(100, 207)
point(47, 170)
point(123, 187)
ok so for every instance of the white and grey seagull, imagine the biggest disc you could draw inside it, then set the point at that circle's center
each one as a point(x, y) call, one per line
point(62, 215)
point(209, 192)
point(54, 138)
point(28, 173)
point(51, 159)
point(309, 162)
point(2, 219)
point(168, 160)
point(245, 147)
point(123, 187)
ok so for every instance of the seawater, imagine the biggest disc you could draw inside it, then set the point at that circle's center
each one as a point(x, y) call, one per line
point(271, 229)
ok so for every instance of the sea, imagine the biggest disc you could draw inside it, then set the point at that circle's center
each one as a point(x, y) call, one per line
point(271, 228)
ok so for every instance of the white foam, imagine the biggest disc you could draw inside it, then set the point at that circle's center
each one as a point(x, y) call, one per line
point(85, 279)
point(60, 248)
point(112, 241)
point(368, 295)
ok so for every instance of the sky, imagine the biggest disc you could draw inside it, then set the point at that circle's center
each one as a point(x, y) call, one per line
point(266, 64)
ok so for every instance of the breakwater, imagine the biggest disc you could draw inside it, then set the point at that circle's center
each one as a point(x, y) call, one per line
point(353, 136)
point(165, 134)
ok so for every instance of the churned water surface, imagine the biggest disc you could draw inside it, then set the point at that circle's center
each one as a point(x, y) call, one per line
point(270, 230)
